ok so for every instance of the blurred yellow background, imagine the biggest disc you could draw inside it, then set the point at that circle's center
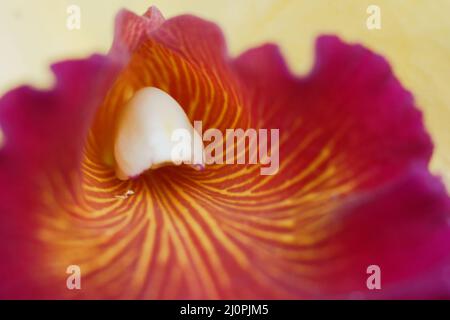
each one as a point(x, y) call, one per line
point(415, 37)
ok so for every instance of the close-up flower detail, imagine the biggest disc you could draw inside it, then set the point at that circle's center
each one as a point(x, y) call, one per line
point(78, 185)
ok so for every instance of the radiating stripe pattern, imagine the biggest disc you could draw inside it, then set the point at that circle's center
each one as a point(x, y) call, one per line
point(225, 232)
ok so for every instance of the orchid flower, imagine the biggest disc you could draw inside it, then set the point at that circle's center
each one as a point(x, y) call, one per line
point(78, 185)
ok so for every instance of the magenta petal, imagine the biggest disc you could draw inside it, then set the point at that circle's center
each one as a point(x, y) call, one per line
point(403, 227)
point(44, 134)
point(395, 214)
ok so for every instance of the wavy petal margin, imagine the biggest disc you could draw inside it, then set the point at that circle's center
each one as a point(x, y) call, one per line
point(353, 187)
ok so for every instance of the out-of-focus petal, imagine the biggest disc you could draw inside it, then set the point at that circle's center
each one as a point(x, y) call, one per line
point(43, 138)
point(44, 135)
point(357, 152)
point(131, 30)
